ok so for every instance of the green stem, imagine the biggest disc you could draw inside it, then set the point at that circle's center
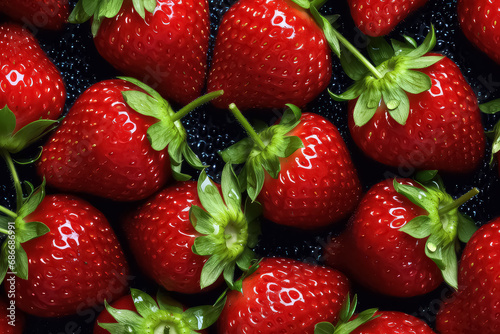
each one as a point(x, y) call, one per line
point(459, 201)
point(8, 212)
point(196, 103)
point(247, 126)
point(318, 3)
point(15, 178)
point(357, 54)
point(3, 231)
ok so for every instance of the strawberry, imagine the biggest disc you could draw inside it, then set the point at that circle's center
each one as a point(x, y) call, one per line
point(75, 265)
point(160, 42)
point(140, 313)
point(299, 170)
point(479, 20)
point(379, 17)
point(184, 248)
point(102, 146)
point(284, 296)
point(474, 308)
point(46, 14)
point(11, 320)
point(267, 54)
point(402, 238)
point(31, 88)
point(413, 119)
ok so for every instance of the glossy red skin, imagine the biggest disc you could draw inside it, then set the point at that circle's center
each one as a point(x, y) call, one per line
point(77, 265)
point(373, 252)
point(379, 17)
point(475, 307)
point(444, 125)
point(167, 50)
point(9, 318)
point(267, 54)
point(101, 148)
point(284, 296)
point(389, 322)
point(318, 185)
point(30, 84)
point(161, 236)
point(45, 14)
point(480, 22)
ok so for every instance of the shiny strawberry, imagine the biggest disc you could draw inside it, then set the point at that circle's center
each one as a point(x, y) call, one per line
point(401, 240)
point(267, 54)
point(415, 110)
point(184, 248)
point(67, 257)
point(480, 22)
point(45, 14)
point(140, 313)
point(475, 307)
point(299, 170)
point(31, 87)
point(116, 142)
point(12, 320)
point(284, 296)
point(160, 42)
point(379, 17)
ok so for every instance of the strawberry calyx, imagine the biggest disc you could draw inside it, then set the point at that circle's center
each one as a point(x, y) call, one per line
point(492, 107)
point(396, 75)
point(164, 315)
point(346, 323)
point(227, 232)
point(169, 131)
point(261, 151)
point(101, 9)
point(443, 226)
point(14, 142)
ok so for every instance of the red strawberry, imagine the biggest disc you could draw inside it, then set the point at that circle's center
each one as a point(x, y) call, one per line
point(379, 17)
point(140, 313)
point(184, 248)
point(479, 20)
point(76, 265)
point(267, 54)
point(102, 146)
point(162, 43)
point(30, 85)
point(303, 168)
point(416, 119)
point(284, 296)
point(12, 320)
point(475, 307)
point(397, 231)
point(46, 14)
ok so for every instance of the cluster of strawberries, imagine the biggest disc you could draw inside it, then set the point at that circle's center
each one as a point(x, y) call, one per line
point(123, 140)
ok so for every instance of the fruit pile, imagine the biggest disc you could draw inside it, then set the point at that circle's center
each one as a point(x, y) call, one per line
point(250, 166)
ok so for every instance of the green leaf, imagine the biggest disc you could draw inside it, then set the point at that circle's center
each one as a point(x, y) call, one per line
point(30, 230)
point(245, 260)
point(33, 201)
point(143, 103)
point(7, 122)
point(328, 30)
point(425, 176)
point(490, 107)
point(414, 82)
point(165, 302)
point(29, 160)
point(207, 245)
point(416, 195)
point(109, 8)
point(125, 317)
point(466, 227)
point(350, 94)
point(210, 197)
point(253, 210)
point(79, 14)
point(230, 188)
point(20, 266)
point(272, 165)
point(419, 227)
point(115, 328)
point(201, 220)
point(397, 103)
point(411, 41)
point(211, 271)
point(401, 48)
point(324, 328)
point(202, 317)
point(144, 87)
point(450, 271)
point(4, 266)
point(303, 3)
point(366, 106)
point(352, 66)
point(426, 46)
point(30, 133)
point(423, 62)
point(228, 273)
point(291, 116)
point(239, 152)
point(379, 50)
point(149, 5)
point(255, 179)
point(139, 7)
point(191, 158)
point(361, 319)
point(144, 304)
point(292, 144)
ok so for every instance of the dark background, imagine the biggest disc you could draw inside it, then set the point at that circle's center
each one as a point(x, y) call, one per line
point(211, 130)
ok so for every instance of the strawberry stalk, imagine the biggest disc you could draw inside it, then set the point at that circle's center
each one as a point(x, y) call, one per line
point(247, 126)
point(195, 104)
point(15, 177)
point(459, 201)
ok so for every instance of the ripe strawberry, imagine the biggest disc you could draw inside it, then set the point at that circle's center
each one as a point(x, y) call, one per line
point(11, 320)
point(102, 146)
point(139, 313)
point(46, 14)
point(480, 22)
point(416, 119)
point(76, 265)
point(160, 42)
point(299, 170)
point(474, 308)
point(379, 17)
point(267, 54)
point(182, 247)
point(401, 241)
point(284, 296)
point(30, 85)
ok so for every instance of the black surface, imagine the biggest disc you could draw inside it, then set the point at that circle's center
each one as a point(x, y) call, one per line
point(211, 130)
